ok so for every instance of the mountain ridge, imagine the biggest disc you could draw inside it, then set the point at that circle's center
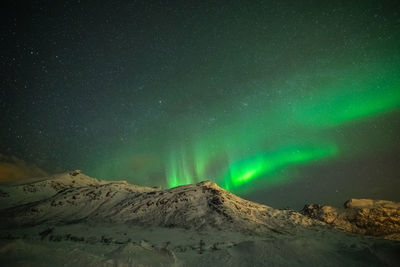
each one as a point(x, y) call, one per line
point(74, 197)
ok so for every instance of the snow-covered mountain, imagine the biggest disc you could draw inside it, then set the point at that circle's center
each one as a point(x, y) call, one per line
point(43, 188)
point(74, 197)
point(47, 187)
point(101, 223)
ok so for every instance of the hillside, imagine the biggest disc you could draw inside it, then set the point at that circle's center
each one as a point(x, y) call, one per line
point(67, 198)
point(101, 223)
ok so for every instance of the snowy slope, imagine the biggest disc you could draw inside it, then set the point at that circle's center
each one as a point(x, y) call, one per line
point(195, 206)
point(73, 197)
point(22, 193)
point(74, 220)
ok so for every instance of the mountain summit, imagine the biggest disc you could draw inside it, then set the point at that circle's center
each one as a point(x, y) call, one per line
point(74, 197)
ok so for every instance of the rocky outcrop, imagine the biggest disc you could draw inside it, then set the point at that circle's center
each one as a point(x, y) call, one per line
point(363, 216)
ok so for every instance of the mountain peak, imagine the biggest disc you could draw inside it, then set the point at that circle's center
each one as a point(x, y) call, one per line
point(200, 205)
point(74, 197)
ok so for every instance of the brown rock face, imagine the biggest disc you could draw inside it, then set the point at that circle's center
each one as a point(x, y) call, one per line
point(364, 216)
point(326, 214)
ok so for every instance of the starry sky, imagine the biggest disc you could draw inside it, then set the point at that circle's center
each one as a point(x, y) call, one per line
point(280, 102)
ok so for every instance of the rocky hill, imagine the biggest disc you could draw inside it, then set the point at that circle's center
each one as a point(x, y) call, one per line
point(78, 198)
point(362, 216)
point(74, 197)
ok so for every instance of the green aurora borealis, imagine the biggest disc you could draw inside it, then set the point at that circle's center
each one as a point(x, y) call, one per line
point(355, 96)
point(299, 98)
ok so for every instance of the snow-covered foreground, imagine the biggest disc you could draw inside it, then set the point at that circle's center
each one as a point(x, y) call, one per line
point(126, 245)
point(74, 220)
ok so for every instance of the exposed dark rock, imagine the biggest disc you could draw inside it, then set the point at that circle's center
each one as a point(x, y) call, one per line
point(46, 232)
point(4, 194)
point(75, 172)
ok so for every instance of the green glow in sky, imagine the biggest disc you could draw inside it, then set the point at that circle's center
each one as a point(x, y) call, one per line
point(352, 97)
point(261, 111)
point(245, 144)
point(266, 164)
point(252, 95)
point(178, 170)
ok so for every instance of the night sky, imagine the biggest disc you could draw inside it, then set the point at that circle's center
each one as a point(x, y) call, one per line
point(280, 102)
